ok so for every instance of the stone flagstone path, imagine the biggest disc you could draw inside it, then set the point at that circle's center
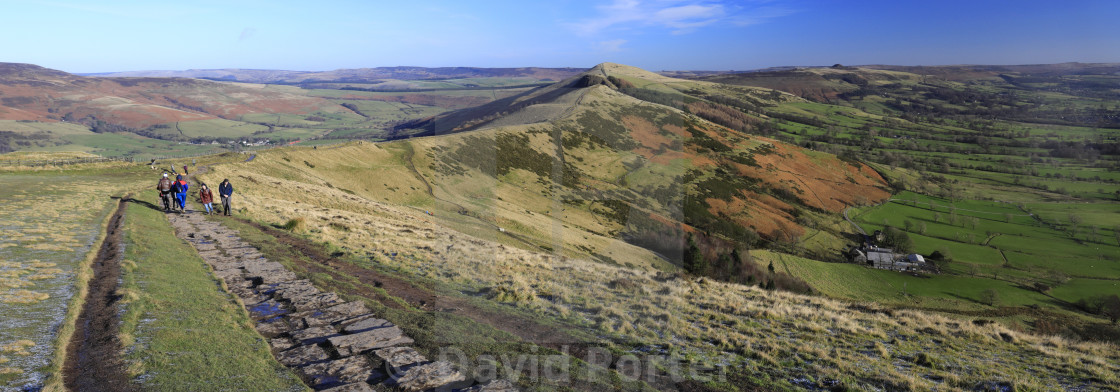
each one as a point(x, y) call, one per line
point(333, 345)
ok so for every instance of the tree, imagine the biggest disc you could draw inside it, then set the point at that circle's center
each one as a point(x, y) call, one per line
point(942, 254)
point(922, 228)
point(898, 240)
point(908, 224)
point(990, 297)
point(937, 217)
point(1074, 221)
point(1111, 308)
point(694, 261)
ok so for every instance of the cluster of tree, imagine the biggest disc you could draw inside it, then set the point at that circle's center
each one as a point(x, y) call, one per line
point(719, 259)
point(10, 141)
point(708, 255)
point(898, 240)
point(1103, 305)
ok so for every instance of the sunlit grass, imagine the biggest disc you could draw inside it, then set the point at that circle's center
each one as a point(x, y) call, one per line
point(649, 308)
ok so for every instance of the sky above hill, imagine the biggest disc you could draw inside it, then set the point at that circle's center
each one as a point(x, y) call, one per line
point(122, 35)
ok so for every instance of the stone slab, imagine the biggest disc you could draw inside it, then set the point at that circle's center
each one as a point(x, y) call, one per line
point(369, 340)
point(399, 359)
point(302, 355)
point(355, 387)
point(366, 325)
point(439, 375)
point(314, 335)
point(339, 372)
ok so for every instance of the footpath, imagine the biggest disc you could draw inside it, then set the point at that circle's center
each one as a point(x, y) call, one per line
point(333, 345)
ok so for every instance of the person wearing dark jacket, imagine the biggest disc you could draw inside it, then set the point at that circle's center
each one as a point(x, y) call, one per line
point(181, 188)
point(225, 190)
point(206, 198)
point(164, 188)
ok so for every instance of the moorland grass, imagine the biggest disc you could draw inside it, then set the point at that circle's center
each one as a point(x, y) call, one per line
point(769, 335)
point(437, 331)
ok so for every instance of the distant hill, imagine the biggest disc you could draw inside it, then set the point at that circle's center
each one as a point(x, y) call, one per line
point(355, 75)
point(30, 92)
point(1027, 93)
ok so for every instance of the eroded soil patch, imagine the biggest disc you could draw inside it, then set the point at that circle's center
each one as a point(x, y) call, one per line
point(93, 361)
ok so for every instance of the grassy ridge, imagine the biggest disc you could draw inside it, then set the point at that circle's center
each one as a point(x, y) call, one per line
point(182, 332)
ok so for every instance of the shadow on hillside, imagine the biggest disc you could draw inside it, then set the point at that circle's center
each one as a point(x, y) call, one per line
point(129, 199)
point(961, 297)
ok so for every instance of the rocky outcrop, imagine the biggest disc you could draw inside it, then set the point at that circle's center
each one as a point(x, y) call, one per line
point(334, 345)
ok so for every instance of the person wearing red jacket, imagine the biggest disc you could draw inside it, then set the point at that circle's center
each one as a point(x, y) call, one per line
point(207, 199)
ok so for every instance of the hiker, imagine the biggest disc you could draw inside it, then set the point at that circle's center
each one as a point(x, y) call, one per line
point(207, 199)
point(180, 187)
point(225, 190)
point(164, 188)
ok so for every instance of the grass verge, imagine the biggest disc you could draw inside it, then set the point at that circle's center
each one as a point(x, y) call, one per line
point(181, 330)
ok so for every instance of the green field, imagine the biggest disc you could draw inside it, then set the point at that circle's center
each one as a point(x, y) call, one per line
point(992, 245)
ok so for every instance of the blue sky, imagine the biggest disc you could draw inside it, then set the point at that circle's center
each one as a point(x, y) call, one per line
point(118, 35)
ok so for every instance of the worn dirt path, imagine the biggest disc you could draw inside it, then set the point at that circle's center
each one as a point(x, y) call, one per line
point(93, 361)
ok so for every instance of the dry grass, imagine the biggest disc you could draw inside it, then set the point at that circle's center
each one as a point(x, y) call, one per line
point(784, 332)
point(295, 225)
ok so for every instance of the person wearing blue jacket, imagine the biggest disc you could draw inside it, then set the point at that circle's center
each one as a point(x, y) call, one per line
point(180, 187)
point(225, 190)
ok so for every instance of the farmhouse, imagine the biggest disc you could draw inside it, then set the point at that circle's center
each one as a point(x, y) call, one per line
point(886, 258)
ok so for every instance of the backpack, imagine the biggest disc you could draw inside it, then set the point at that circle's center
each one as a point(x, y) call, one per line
point(175, 187)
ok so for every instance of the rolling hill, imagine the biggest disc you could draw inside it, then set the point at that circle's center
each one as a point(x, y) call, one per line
point(365, 75)
point(34, 93)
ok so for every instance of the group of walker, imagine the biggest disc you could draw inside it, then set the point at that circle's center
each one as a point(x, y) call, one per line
point(173, 194)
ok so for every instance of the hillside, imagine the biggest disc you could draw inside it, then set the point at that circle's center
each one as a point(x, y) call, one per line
point(651, 163)
point(43, 109)
point(40, 94)
point(389, 224)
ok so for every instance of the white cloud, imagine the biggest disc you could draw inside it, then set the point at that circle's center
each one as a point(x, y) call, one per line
point(679, 16)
